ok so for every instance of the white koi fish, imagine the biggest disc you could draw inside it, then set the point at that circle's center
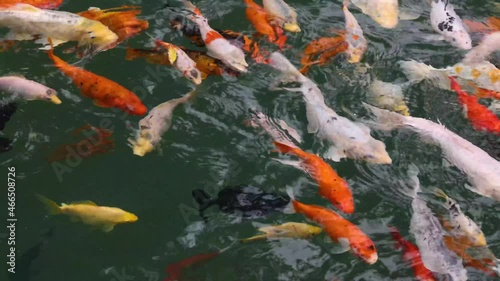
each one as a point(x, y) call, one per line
point(217, 46)
point(285, 16)
point(26, 89)
point(448, 24)
point(386, 13)
point(387, 96)
point(356, 41)
point(27, 23)
point(155, 124)
point(182, 62)
point(348, 139)
point(481, 169)
point(489, 44)
point(429, 235)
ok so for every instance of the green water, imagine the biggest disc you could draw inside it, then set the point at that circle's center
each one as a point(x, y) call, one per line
point(209, 146)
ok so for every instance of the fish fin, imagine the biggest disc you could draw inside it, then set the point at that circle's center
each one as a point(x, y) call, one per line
point(51, 206)
point(410, 12)
point(313, 123)
point(294, 163)
point(281, 63)
point(343, 246)
point(212, 54)
point(253, 238)
point(107, 227)
point(289, 208)
point(84, 202)
point(44, 41)
point(14, 36)
point(361, 4)
point(172, 55)
point(100, 104)
point(334, 154)
point(417, 71)
point(440, 193)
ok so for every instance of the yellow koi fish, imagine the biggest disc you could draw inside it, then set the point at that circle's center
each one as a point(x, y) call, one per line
point(27, 23)
point(88, 212)
point(289, 229)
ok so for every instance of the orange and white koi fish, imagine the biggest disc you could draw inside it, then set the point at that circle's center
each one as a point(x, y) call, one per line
point(411, 255)
point(338, 229)
point(104, 92)
point(120, 20)
point(284, 15)
point(155, 124)
point(181, 61)
point(260, 20)
point(217, 46)
point(354, 37)
point(331, 185)
point(27, 22)
point(19, 87)
point(42, 4)
point(479, 115)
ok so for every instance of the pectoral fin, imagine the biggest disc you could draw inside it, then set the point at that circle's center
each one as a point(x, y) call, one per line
point(273, 230)
point(44, 41)
point(100, 104)
point(334, 154)
point(253, 238)
point(107, 227)
point(361, 4)
point(342, 247)
point(313, 122)
point(84, 202)
point(294, 163)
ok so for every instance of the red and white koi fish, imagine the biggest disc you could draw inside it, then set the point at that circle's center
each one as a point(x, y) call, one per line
point(181, 61)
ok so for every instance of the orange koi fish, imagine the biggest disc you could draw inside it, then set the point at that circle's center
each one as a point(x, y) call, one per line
point(121, 20)
point(460, 246)
point(339, 229)
point(206, 64)
point(331, 185)
point(260, 20)
point(324, 48)
point(104, 92)
point(411, 255)
point(492, 24)
point(479, 115)
point(42, 4)
point(98, 143)
point(175, 270)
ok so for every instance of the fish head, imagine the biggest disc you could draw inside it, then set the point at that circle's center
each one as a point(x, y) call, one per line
point(51, 95)
point(364, 249)
point(291, 27)
point(374, 153)
point(129, 217)
point(194, 75)
point(314, 230)
point(142, 145)
point(99, 37)
point(461, 39)
point(355, 55)
point(237, 64)
point(136, 108)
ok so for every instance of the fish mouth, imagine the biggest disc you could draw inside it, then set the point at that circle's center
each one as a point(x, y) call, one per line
point(55, 99)
point(372, 259)
point(292, 27)
point(142, 146)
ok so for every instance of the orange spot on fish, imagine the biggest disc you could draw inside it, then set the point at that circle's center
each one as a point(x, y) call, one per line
point(458, 69)
point(211, 36)
point(475, 73)
point(494, 75)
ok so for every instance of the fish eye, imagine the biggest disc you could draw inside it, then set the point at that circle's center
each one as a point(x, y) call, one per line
point(50, 92)
point(194, 73)
point(371, 248)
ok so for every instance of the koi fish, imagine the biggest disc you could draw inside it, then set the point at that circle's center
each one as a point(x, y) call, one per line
point(205, 64)
point(388, 96)
point(250, 201)
point(348, 139)
point(260, 20)
point(481, 169)
point(276, 128)
point(429, 235)
point(155, 124)
point(384, 12)
point(446, 22)
point(331, 185)
point(120, 20)
point(6, 112)
point(20, 87)
point(289, 229)
point(356, 42)
point(483, 74)
point(340, 230)
point(489, 44)
point(492, 24)
point(104, 92)
point(460, 224)
point(97, 142)
point(175, 270)
point(284, 15)
point(217, 46)
point(237, 39)
point(181, 61)
point(411, 255)
point(479, 115)
point(89, 213)
point(42, 4)
point(27, 22)
point(325, 49)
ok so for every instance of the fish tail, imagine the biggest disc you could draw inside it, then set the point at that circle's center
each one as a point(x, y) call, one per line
point(417, 71)
point(385, 119)
point(253, 238)
point(187, 97)
point(440, 193)
point(57, 61)
point(51, 206)
point(201, 197)
point(396, 235)
point(290, 207)
point(412, 174)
